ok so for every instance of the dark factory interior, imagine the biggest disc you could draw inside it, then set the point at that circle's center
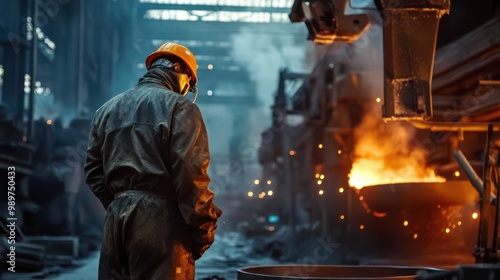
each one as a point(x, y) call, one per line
point(349, 139)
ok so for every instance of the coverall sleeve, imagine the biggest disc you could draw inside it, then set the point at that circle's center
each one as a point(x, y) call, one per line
point(190, 159)
point(94, 172)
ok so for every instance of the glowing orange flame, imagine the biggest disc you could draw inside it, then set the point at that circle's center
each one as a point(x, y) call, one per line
point(367, 172)
point(387, 153)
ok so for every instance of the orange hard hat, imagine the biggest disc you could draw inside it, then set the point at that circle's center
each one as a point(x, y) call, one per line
point(179, 51)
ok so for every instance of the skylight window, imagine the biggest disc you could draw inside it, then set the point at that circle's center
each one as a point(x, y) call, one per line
point(221, 16)
point(234, 3)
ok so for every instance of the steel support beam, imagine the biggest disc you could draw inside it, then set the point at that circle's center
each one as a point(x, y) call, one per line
point(410, 34)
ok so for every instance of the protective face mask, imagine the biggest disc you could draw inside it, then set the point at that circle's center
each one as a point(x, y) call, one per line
point(184, 85)
point(183, 80)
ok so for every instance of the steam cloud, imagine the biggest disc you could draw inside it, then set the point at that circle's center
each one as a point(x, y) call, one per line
point(263, 50)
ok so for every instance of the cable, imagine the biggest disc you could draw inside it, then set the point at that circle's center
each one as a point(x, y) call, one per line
point(195, 94)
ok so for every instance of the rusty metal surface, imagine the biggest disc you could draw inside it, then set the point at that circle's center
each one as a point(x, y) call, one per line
point(409, 47)
point(410, 34)
point(327, 22)
point(415, 195)
point(313, 272)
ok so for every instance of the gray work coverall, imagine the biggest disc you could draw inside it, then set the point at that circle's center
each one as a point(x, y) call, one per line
point(147, 162)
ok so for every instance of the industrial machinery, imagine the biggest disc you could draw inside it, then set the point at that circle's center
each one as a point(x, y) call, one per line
point(409, 36)
point(364, 143)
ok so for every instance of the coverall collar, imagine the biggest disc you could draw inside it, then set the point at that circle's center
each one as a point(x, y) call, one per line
point(162, 77)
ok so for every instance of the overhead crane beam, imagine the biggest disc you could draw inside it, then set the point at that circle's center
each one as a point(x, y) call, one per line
point(150, 6)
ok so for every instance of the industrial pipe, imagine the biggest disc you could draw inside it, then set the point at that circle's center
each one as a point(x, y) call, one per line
point(452, 126)
point(34, 75)
point(470, 173)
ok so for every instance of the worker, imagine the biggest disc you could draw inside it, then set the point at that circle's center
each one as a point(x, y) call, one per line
point(147, 162)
